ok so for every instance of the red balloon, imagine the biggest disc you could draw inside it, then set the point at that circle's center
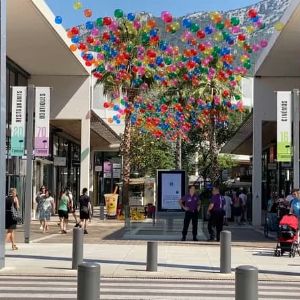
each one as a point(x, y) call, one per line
point(107, 21)
point(201, 34)
point(106, 36)
point(252, 13)
point(75, 30)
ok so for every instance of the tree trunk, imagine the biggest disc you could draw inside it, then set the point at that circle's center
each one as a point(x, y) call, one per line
point(213, 153)
point(178, 156)
point(125, 151)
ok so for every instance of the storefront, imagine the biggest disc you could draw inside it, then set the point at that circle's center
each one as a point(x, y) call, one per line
point(76, 131)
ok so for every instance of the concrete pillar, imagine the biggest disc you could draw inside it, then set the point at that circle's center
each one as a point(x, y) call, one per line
point(85, 153)
point(257, 169)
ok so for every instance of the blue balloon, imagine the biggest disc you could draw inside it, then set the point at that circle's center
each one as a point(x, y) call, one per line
point(153, 32)
point(208, 30)
point(89, 25)
point(163, 45)
point(58, 19)
point(75, 39)
point(131, 16)
point(187, 23)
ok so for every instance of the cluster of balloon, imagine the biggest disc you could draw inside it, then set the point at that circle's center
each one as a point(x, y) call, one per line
point(126, 50)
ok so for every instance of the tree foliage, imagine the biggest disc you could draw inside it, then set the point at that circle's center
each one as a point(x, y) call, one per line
point(199, 145)
point(149, 154)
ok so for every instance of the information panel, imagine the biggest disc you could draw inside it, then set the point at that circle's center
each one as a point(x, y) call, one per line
point(171, 187)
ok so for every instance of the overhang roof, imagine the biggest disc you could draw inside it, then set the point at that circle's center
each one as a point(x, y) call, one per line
point(101, 135)
point(281, 57)
point(37, 44)
point(240, 137)
point(242, 141)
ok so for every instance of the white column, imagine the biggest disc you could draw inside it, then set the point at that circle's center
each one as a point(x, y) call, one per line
point(296, 137)
point(92, 171)
point(85, 154)
point(257, 170)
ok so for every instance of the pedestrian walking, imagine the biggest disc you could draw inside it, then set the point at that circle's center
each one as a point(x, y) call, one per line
point(85, 209)
point(73, 207)
point(228, 203)
point(236, 208)
point(63, 211)
point(47, 209)
point(243, 201)
point(190, 203)
point(12, 202)
point(39, 199)
point(216, 214)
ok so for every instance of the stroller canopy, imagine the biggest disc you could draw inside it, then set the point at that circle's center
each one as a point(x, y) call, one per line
point(290, 220)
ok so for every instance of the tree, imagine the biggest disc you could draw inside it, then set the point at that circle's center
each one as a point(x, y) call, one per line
point(149, 154)
point(199, 143)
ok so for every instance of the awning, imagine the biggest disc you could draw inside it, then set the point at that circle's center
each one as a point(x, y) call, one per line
point(37, 44)
point(102, 129)
point(241, 141)
point(281, 56)
point(102, 136)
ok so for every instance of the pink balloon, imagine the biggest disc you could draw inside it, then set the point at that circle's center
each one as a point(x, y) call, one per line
point(263, 43)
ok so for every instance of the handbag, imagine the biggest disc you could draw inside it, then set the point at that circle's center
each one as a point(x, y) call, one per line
point(16, 215)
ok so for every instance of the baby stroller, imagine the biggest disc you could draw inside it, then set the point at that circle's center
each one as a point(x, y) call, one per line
point(288, 236)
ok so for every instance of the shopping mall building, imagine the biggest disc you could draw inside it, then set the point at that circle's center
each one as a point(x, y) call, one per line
point(81, 140)
point(277, 69)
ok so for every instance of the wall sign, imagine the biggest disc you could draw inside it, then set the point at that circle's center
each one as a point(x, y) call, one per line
point(18, 120)
point(42, 115)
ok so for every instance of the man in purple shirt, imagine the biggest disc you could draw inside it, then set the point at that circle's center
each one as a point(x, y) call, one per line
point(216, 214)
point(191, 204)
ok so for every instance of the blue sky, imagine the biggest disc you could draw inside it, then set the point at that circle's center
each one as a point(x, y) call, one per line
point(64, 8)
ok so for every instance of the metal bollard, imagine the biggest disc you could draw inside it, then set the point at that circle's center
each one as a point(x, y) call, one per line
point(225, 252)
point(246, 283)
point(77, 253)
point(88, 282)
point(101, 211)
point(152, 256)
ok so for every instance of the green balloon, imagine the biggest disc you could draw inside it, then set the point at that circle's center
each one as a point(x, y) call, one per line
point(129, 47)
point(168, 61)
point(237, 97)
point(220, 25)
point(247, 65)
point(145, 38)
point(97, 49)
point(99, 22)
point(195, 27)
point(235, 21)
point(101, 68)
point(225, 35)
point(118, 13)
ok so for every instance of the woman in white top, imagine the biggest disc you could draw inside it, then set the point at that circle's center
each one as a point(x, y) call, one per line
point(46, 210)
point(227, 208)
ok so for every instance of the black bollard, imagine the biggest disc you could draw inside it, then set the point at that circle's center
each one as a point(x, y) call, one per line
point(152, 256)
point(225, 252)
point(246, 283)
point(88, 282)
point(77, 253)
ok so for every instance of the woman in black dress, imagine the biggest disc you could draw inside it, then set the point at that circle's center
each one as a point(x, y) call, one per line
point(10, 223)
point(84, 209)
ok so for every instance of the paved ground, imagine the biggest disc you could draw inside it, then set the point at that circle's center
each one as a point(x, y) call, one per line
point(110, 231)
point(186, 270)
point(32, 287)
